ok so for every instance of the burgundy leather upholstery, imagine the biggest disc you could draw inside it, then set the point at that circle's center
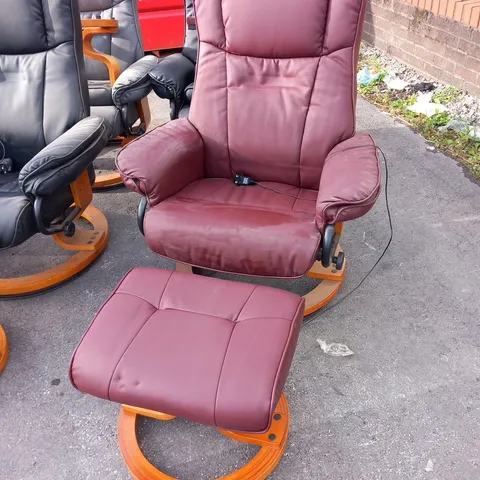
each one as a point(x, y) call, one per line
point(274, 99)
point(218, 355)
point(271, 234)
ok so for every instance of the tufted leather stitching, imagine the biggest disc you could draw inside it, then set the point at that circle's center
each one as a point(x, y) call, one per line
point(138, 331)
point(220, 375)
point(280, 364)
point(126, 349)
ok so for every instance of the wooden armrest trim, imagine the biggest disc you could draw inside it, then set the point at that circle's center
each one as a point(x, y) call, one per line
point(99, 22)
point(111, 62)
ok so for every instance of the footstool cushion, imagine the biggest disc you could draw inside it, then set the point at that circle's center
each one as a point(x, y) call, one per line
point(212, 351)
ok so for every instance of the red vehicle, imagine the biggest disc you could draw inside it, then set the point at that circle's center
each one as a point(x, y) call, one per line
point(162, 23)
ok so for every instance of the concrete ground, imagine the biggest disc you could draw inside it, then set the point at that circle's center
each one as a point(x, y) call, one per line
point(408, 398)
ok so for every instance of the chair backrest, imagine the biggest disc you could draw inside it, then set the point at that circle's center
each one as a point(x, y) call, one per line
point(43, 87)
point(125, 45)
point(275, 87)
point(190, 43)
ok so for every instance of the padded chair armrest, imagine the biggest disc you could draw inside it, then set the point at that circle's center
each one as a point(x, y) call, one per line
point(171, 76)
point(134, 83)
point(163, 161)
point(350, 181)
point(65, 159)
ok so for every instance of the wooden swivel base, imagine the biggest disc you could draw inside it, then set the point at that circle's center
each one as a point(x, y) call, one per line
point(3, 349)
point(111, 180)
point(322, 294)
point(88, 243)
point(328, 288)
point(272, 443)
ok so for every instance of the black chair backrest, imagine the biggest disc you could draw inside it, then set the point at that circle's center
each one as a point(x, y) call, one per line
point(190, 43)
point(125, 45)
point(43, 87)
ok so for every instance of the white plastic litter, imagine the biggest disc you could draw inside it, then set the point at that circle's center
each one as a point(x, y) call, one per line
point(424, 106)
point(475, 134)
point(395, 83)
point(429, 467)
point(334, 349)
point(365, 76)
point(458, 125)
point(461, 126)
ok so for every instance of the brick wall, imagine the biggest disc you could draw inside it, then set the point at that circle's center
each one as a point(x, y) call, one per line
point(441, 48)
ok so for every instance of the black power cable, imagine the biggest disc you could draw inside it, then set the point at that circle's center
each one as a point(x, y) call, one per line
point(308, 321)
point(243, 180)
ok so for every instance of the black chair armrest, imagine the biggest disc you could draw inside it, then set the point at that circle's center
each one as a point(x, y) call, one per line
point(134, 83)
point(65, 159)
point(171, 76)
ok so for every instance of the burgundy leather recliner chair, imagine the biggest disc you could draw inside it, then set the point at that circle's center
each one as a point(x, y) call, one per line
point(275, 101)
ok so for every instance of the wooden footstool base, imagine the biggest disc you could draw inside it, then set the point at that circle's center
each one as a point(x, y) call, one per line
point(273, 444)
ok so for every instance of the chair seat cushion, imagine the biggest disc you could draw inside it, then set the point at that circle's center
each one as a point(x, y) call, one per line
point(212, 351)
point(17, 221)
point(100, 92)
point(113, 116)
point(251, 230)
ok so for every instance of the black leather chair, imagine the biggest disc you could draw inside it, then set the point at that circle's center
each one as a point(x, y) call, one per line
point(49, 140)
point(173, 77)
point(117, 70)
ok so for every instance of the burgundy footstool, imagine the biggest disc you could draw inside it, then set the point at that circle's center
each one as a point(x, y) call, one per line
point(212, 351)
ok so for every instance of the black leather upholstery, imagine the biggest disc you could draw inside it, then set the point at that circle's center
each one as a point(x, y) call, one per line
point(173, 77)
point(43, 112)
point(126, 46)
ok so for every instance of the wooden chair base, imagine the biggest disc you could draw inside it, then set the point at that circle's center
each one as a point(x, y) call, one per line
point(88, 243)
point(272, 443)
point(110, 180)
point(331, 281)
point(3, 349)
point(326, 291)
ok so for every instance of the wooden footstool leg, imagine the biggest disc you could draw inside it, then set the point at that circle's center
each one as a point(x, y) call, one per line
point(272, 443)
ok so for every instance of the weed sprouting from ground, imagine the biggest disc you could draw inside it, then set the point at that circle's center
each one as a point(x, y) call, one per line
point(458, 144)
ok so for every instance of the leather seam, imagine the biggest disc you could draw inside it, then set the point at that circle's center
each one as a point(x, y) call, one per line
point(86, 108)
point(246, 301)
point(126, 349)
point(183, 310)
point(221, 373)
point(92, 322)
point(282, 358)
point(165, 289)
point(43, 95)
point(235, 323)
point(305, 123)
point(257, 208)
point(274, 58)
point(354, 73)
point(226, 90)
point(44, 25)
